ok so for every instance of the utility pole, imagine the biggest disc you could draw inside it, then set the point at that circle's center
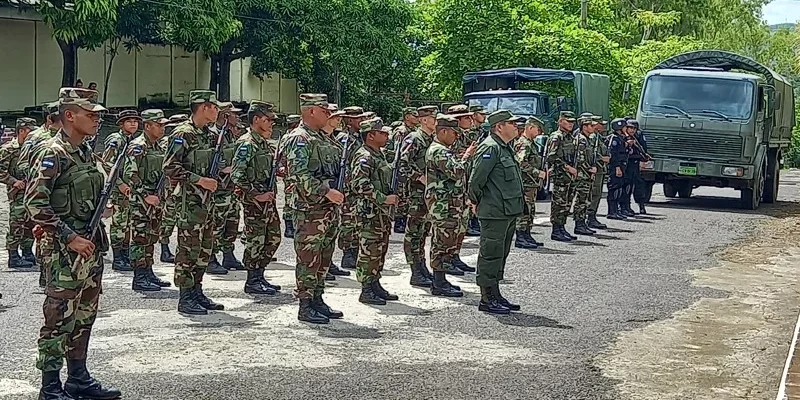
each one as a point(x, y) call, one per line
point(584, 13)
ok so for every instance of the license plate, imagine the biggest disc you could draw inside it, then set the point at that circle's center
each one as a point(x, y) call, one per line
point(683, 170)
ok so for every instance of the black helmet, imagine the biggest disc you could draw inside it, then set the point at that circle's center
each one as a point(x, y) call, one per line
point(633, 123)
point(617, 124)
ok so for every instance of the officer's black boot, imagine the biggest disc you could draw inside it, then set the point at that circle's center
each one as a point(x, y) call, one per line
point(265, 282)
point(166, 254)
point(151, 276)
point(349, 258)
point(141, 283)
point(368, 295)
point(319, 304)
point(474, 227)
point(521, 241)
point(581, 229)
point(307, 313)
point(381, 292)
point(230, 262)
point(51, 387)
point(441, 287)
point(288, 230)
point(489, 303)
point(17, 262)
point(418, 278)
point(204, 301)
point(456, 261)
point(335, 270)
point(502, 300)
point(253, 284)
point(642, 210)
point(450, 269)
point(595, 224)
point(81, 385)
point(532, 240)
point(187, 303)
point(214, 267)
point(27, 255)
point(613, 210)
point(400, 224)
point(119, 263)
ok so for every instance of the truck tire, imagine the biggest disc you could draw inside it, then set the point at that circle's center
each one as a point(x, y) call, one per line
point(751, 197)
point(685, 191)
point(670, 191)
point(773, 179)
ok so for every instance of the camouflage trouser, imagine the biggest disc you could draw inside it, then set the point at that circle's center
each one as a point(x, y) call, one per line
point(262, 234)
point(170, 215)
point(462, 227)
point(348, 229)
point(315, 232)
point(525, 221)
point(562, 195)
point(445, 235)
point(70, 304)
point(19, 225)
point(597, 193)
point(373, 241)
point(195, 241)
point(145, 224)
point(226, 220)
point(288, 200)
point(120, 234)
point(402, 205)
point(582, 190)
point(417, 229)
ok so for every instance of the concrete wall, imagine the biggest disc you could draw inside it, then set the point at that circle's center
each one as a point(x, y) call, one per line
point(30, 72)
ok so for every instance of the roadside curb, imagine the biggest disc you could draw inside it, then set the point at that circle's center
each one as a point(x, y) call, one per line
point(789, 388)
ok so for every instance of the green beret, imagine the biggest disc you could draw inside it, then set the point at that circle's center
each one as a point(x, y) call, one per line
point(374, 124)
point(154, 115)
point(501, 116)
point(313, 99)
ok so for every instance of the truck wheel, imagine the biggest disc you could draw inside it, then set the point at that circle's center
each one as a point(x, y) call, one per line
point(773, 180)
point(751, 197)
point(685, 191)
point(670, 191)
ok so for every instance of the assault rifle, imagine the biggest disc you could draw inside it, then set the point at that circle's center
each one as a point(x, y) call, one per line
point(270, 185)
point(395, 171)
point(216, 159)
point(343, 164)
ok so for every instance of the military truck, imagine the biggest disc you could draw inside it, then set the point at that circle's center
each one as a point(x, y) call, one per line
point(714, 118)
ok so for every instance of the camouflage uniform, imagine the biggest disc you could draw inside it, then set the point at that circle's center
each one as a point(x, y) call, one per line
point(560, 151)
point(120, 224)
point(226, 206)
point(530, 162)
point(348, 235)
point(288, 189)
point(19, 228)
point(597, 141)
point(465, 138)
point(583, 183)
point(170, 196)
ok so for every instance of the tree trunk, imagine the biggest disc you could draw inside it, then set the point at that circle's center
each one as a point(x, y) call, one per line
point(113, 50)
point(213, 83)
point(69, 54)
point(224, 92)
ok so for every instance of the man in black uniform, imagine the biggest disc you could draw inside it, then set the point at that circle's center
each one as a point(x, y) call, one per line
point(640, 187)
point(616, 168)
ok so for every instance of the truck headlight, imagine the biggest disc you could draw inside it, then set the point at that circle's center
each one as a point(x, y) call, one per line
point(733, 171)
point(648, 165)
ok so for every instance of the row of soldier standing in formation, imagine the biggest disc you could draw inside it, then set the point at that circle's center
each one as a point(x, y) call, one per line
point(444, 171)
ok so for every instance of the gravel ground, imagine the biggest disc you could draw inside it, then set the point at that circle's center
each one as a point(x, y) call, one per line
point(603, 318)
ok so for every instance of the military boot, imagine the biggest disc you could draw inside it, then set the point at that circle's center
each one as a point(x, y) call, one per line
point(288, 230)
point(330, 277)
point(265, 282)
point(204, 301)
point(418, 278)
point(474, 227)
point(335, 270)
point(27, 254)
point(582, 229)
point(456, 261)
point(349, 258)
point(558, 234)
point(594, 223)
point(81, 385)
point(42, 278)
point(502, 300)
point(51, 387)
point(214, 267)
point(319, 305)
point(450, 269)
point(166, 254)
point(521, 241)
point(441, 287)
point(119, 263)
point(423, 267)
point(400, 224)
point(151, 276)
point(368, 295)
point(490, 304)
point(613, 211)
point(381, 292)
point(253, 284)
point(230, 262)
point(532, 240)
point(307, 313)
point(642, 210)
point(141, 283)
point(187, 303)
point(17, 262)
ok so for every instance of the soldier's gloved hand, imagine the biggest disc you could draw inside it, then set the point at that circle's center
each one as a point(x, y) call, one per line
point(19, 184)
point(335, 196)
point(152, 199)
point(618, 172)
point(268, 197)
point(208, 184)
point(82, 246)
point(391, 200)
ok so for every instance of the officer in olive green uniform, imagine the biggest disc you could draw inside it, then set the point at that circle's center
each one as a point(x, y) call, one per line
point(15, 178)
point(495, 188)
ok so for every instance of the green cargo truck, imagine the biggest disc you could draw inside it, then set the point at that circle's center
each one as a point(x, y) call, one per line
point(714, 118)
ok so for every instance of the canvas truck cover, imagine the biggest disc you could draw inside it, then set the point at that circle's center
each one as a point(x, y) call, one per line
point(726, 61)
point(591, 90)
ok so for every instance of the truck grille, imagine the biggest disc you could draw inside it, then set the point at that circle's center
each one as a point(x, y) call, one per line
point(693, 146)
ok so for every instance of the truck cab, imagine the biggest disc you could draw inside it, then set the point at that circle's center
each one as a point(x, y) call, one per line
point(525, 103)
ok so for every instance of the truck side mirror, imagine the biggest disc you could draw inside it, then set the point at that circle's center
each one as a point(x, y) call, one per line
point(626, 92)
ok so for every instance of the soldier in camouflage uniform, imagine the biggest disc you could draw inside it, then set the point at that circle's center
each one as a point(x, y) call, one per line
point(530, 163)
point(253, 164)
point(560, 152)
point(445, 199)
point(399, 133)
point(313, 163)
point(586, 170)
point(143, 171)
point(292, 121)
point(332, 129)
point(369, 180)
point(128, 122)
point(186, 162)
point(348, 236)
point(170, 196)
point(57, 197)
point(479, 132)
point(15, 178)
point(597, 141)
point(412, 170)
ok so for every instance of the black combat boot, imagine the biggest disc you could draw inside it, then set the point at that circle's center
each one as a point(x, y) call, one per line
point(594, 223)
point(441, 287)
point(166, 254)
point(349, 258)
point(204, 301)
point(230, 262)
point(42, 278)
point(81, 385)
point(502, 300)
point(450, 269)
point(558, 234)
point(27, 255)
point(141, 283)
point(490, 304)
point(456, 261)
point(51, 387)
point(521, 241)
point(307, 313)
point(151, 276)
point(400, 224)
point(418, 278)
point(17, 262)
point(423, 267)
point(319, 304)
point(187, 303)
point(532, 240)
point(613, 211)
point(288, 230)
point(119, 263)
point(368, 296)
point(330, 277)
point(474, 227)
point(253, 284)
point(642, 210)
point(381, 292)
point(214, 267)
point(582, 229)
point(265, 282)
point(335, 270)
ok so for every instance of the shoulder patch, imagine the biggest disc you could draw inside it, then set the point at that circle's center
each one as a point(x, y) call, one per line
point(48, 163)
point(487, 155)
point(137, 150)
point(112, 144)
point(409, 140)
point(363, 161)
point(177, 140)
point(448, 153)
point(244, 150)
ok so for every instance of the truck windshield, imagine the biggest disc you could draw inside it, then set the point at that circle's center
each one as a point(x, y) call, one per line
point(709, 97)
point(518, 105)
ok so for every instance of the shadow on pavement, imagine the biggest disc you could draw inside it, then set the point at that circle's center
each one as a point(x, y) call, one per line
point(607, 237)
point(587, 243)
point(547, 250)
point(618, 230)
point(530, 321)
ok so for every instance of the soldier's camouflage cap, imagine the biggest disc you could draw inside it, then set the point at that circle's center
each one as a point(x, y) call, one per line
point(205, 96)
point(335, 111)
point(410, 110)
point(459, 110)
point(51, 107)
point(373, 124)
point(353, 112)
point(599, 119)
point(567, 115)
point(446, 121)
point(501, 116)
point(395, 124)
point(154, 115)
point(534, 121)
point(83, 98)
point(176, 119)
point(26, 122)
point(477, 108)
point(267, 109)
point(313, 100)
point(427, 111)
point(292, 119)
point(370, 114)
point(127, 114)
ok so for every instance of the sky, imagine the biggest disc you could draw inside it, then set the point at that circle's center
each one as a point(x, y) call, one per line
point(781, 11)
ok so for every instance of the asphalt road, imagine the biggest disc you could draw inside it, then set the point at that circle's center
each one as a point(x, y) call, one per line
point(697, 300)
